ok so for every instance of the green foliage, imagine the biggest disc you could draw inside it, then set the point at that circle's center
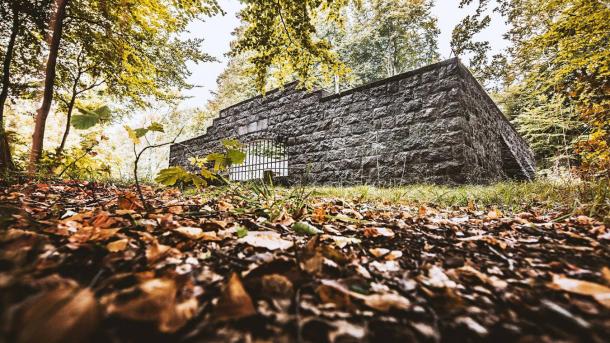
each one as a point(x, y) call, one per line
point(558, 62)
point(170, 176)
point(304, 228)
point(80, 162)
point(90, 118)
point(383, 38)
point(220, 161)
point(280, 36)
point(135, 134)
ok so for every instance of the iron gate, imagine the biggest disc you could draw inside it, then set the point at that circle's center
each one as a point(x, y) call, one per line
point(264, 158)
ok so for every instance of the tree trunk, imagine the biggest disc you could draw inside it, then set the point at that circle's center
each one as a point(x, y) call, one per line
point(47, 99)
point(6, 161)
point(75, 92)
point(61, 146)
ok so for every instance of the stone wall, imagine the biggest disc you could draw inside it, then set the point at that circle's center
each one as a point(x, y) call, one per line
point(435, 124)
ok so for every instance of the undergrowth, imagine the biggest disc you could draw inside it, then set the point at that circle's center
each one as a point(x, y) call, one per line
point(590, 198)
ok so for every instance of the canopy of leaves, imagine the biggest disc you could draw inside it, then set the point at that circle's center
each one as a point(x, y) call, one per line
point(89, 118)
point(281, 35)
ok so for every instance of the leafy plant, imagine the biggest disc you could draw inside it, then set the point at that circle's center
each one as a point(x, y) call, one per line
point(134, 136)
point(209, 166)
point(89, 118)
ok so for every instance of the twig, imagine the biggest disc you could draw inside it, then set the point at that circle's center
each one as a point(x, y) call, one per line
point(135, 166)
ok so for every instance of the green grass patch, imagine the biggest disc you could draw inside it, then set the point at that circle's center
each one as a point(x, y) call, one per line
point(580, 197)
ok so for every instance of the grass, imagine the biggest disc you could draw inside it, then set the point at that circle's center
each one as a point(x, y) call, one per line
point(579, 197)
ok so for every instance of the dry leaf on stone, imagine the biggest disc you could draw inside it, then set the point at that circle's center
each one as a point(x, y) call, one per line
point(266, 239)
point(234, 303)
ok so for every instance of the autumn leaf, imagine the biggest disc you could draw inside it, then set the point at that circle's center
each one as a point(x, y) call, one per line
point(266, 239)
point(67, 313)
point(234, 302)
point(599, 292)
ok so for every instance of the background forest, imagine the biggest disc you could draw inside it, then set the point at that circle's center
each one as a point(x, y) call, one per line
point(92, 67)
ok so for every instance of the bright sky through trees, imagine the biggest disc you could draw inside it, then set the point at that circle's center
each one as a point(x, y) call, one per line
point(217, 34)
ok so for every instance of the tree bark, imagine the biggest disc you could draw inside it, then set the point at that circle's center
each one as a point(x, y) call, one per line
point(64, 138)
point(47, 99)
point(6, 161)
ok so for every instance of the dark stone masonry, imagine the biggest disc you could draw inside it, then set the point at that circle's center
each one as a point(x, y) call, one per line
point(435, 124)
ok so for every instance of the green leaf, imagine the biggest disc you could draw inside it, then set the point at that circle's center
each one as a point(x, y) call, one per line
point(236, 156)
point(169, 176)
point(207, 174)
point(241, 232)
point(155, 126)
point(140, 132)
point(218, 159)
point(90, 118)
point(132, 135)
point(231, 144)
point(304, 228)
point(198, 181)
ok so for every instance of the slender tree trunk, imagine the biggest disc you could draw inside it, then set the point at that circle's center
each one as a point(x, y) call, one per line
point(47, 99)
point(6, 161)
point(61, 146)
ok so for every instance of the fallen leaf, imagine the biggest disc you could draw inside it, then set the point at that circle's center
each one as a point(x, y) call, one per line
point(117, 246)
point(129, 201)
point(374, 231)
point(341, 241)
point(305, 228)
point(153, 300)
point(380, 302)
point(319, 215)
point(266, 239)
point(438, 279)
point(189, 232)
point(65, 314)
point(234, 302)
point(224, 206)
point(599, 292)
point(421, 212)
point(494, 214)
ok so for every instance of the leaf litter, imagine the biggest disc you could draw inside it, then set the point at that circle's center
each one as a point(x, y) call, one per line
point(86, 262)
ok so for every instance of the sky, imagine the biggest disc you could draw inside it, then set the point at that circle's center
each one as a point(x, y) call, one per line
point(217, 31)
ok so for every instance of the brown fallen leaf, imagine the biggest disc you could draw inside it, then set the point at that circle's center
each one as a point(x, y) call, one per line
point(129, 201)
point(421, 212)
point(606, 274)
point(374, 231)
point(599, 292)
point(266, 239)
point(224, 206)
point(234, 302)
point(117, 246)
point(189, 232)
point(153, 300)
point(155, 251)
point(381, 302)
point(319, 215)
point(67, 313)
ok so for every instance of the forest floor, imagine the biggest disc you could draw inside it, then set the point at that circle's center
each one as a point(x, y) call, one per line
point(87, 262)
